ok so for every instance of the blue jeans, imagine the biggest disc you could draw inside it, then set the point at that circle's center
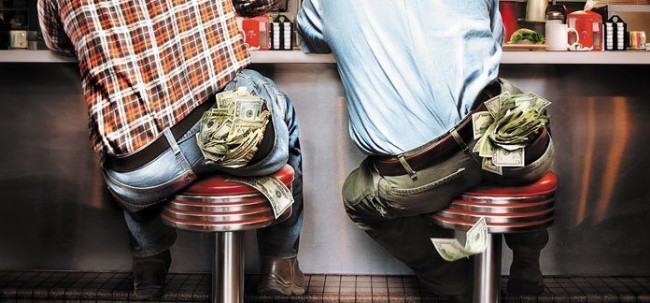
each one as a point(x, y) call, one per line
point(143, 191)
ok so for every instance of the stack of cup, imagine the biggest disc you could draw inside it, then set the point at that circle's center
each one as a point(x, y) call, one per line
point(620, 36)
point(637, 39)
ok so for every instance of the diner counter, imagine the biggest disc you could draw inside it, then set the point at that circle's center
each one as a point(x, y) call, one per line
point(274, 57)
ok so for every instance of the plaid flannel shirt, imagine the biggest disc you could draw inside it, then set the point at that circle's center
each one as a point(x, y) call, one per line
point(146, 64)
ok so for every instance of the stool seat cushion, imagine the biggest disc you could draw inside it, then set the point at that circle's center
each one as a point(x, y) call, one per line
point(219, 185)
point(547, 183)
point(216, 204)
point(506, 209)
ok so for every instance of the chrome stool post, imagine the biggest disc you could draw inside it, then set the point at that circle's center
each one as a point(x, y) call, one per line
point(506, 209)
point(487, 272)
point(228, 267)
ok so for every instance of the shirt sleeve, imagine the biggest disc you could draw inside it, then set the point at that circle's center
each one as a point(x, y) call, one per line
point(52, 28)
point(252, 8)
point(310, 27)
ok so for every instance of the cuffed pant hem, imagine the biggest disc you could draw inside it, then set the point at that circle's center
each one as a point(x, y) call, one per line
point(152, 251)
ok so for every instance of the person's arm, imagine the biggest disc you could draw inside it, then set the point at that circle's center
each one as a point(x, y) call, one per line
point(252, 8)
point(310, 27)
point(52, 28)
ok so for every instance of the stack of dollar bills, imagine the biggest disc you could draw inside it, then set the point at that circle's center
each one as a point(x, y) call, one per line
point(278, 194)
point(509, 125)
point(231, 130)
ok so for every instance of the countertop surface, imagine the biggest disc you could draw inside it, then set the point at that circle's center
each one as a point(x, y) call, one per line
point(275, 57)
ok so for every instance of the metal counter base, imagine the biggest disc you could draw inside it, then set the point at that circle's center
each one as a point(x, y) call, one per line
point(57, 286)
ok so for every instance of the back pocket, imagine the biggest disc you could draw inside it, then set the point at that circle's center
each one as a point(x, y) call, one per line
point(359, 185)
point(429, 197)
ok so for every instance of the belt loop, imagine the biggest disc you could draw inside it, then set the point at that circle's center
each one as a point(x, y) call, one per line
point(177, 150)
point(458, 139)
point(172, 141)
point(413, 174)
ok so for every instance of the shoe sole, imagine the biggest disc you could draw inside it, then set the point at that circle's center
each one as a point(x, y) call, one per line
point(148, 294)
point(273, 287)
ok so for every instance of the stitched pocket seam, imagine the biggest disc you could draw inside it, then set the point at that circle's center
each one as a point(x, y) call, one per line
point(411, 191)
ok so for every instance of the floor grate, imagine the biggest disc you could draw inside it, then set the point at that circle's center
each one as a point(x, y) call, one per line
point(74, 286)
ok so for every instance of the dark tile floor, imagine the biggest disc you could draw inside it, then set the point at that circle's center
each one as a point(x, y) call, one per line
point(49, 286)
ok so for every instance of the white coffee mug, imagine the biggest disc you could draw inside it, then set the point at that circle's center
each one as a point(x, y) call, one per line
point(17, 39)
point(557, 36)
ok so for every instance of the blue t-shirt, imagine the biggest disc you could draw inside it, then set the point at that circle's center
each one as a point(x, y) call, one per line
point(411, 68)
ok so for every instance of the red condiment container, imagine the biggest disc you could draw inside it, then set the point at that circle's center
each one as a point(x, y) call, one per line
point(509, 11)
point(589, 26)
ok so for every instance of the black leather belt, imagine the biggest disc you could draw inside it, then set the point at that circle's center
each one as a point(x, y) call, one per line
point(157, 146)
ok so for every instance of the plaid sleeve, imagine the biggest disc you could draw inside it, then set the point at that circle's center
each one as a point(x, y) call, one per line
point(95, 140)
point(52, 28)
point(252, 8)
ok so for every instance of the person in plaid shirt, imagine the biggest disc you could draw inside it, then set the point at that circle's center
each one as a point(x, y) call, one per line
point(149, 70)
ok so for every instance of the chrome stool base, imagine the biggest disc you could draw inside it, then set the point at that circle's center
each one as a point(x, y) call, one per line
point(506, 210)
point(227, 209)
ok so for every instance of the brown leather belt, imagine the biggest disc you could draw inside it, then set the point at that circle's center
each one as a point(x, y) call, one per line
point(157, 146)
point(442, 148)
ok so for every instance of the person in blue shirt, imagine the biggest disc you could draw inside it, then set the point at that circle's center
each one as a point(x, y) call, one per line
point(412, 72)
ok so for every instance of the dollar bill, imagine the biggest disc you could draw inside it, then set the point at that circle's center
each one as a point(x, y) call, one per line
point(542, 103)
point(477, 237)
point(273, 189)
point(507, 158)
point(449, 249)
point(488, 165)
point(486, 148)
point(224, 98)
point(481, 121)
point(524, 101)
point(248, 108)
point(475, 243)
point(493, 105)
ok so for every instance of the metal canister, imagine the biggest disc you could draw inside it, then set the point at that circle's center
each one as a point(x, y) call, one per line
point(536, 10)
point(637, 39)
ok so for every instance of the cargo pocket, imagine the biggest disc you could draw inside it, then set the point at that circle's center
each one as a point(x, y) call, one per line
point(425, 198)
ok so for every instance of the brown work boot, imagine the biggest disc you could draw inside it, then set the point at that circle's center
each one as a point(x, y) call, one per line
point(281, 277)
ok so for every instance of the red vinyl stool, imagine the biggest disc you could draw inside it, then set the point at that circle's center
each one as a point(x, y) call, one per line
point(506, 210)
point(226, 209)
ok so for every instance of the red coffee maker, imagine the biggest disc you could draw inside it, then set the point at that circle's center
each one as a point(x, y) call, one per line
point(589, 26)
